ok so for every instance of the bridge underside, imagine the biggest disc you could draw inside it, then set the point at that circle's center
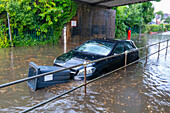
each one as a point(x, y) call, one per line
point(111, 3)
point(95, 19)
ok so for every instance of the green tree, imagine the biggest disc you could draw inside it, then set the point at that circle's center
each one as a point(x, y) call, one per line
point(167, 20)
point(21, 15)
point(147, 12)
point(120, 26)
point(134, 16)
point(41, 15)
point(160, 13)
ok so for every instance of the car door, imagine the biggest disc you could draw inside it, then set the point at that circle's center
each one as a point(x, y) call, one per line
point(117, 61)
point(132, 55)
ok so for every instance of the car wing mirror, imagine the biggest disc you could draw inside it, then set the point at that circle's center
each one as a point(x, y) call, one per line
point(113, 54)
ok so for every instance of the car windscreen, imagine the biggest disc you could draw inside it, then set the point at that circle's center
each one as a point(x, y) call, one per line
point(100, 48)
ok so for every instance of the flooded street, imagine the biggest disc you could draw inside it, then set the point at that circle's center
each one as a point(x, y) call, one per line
point(145, 87)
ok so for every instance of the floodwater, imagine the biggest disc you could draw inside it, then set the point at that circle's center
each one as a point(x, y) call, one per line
point(144, 87)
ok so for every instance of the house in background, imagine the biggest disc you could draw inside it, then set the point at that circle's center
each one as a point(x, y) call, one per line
point(156, 20)
point(166, 15)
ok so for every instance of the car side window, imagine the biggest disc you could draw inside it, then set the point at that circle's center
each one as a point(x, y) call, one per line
point(128, 46)
point(119, 48)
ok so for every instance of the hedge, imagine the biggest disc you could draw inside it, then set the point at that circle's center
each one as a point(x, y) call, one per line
point(156, 28)
point(167, 26)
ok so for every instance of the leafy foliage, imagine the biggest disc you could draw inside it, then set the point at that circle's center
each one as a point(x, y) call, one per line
point(167, 27)
point(120, 26)
point(41, 15)
point(167, 20)
point(160, 13)
point(3, 34)
point(133, 16)
point(147, 12)
point(3, 40)
point(156, 28)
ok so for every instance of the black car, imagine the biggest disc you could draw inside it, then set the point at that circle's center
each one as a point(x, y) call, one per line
point(91, 50)
point(95, 49)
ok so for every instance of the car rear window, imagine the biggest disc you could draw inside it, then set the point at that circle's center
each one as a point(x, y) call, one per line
point(100, 48)
point(128, 46)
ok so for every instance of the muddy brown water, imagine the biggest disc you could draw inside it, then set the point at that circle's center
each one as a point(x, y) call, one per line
point(145, 87)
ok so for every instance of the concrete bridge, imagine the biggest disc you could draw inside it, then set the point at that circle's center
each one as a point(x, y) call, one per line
point(94, 19)
point(111, 3)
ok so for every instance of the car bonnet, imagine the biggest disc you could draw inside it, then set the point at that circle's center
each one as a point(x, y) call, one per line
point(74, 57)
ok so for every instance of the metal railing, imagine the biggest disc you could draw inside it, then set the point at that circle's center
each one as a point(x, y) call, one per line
point(33, 34)
point(85, 64)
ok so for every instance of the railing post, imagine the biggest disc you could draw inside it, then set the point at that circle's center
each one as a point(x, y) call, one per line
point(167, 47)
point(85, 63)
point(147, 53)
point(125, 60)
point(126, 57)
point(158, 49)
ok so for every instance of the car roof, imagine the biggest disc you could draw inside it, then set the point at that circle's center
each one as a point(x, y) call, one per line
point(110, 40)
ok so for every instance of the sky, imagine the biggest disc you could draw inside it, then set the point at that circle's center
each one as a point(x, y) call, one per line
point(163, 5)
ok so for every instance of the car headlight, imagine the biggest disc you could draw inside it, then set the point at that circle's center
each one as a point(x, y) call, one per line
point(89, 70)
point(54, 60)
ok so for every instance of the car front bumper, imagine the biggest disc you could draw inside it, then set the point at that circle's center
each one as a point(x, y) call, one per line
point(81, 77)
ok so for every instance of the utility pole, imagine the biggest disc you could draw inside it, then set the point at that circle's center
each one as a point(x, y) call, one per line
point(10, 35)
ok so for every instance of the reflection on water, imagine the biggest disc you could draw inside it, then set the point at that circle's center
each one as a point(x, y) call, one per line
point(143, 88)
